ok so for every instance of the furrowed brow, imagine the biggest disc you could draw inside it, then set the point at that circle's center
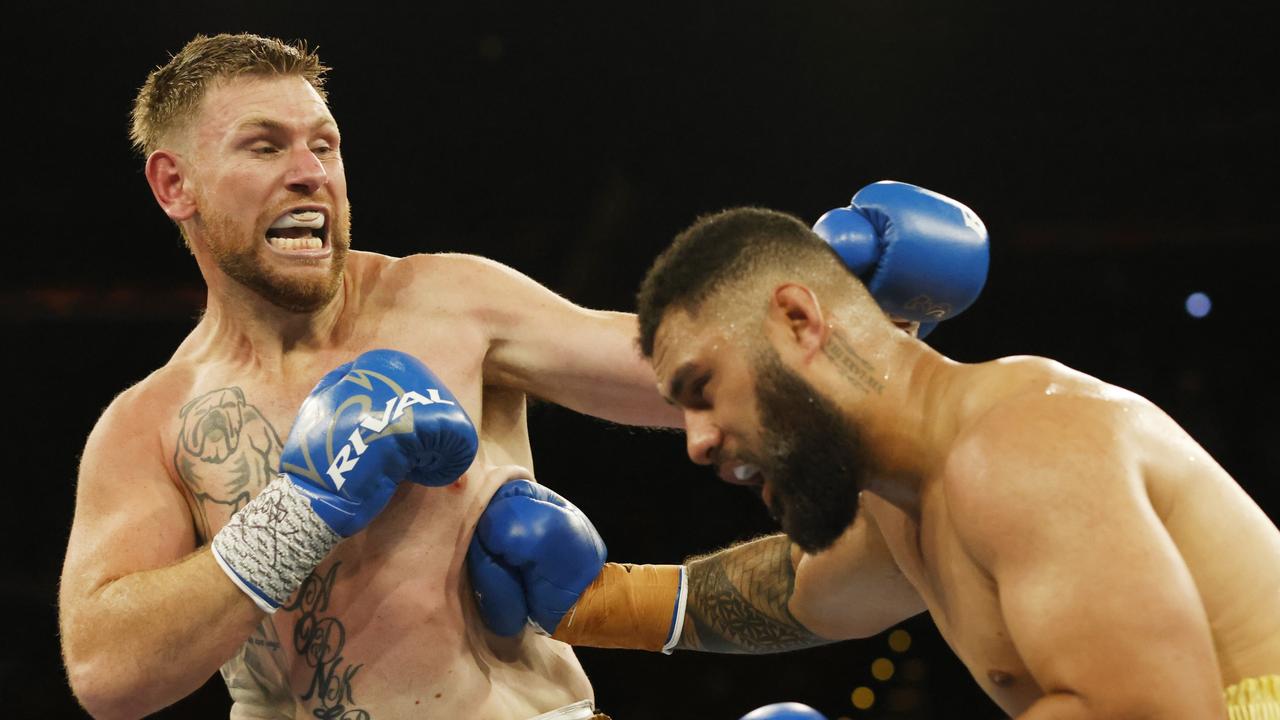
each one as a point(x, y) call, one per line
point(678, 381)
point(270, 125)
point(260, 124)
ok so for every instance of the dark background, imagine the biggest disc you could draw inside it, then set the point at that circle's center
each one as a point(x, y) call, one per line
point(1122, 158)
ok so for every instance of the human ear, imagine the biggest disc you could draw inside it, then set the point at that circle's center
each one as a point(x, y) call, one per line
point(797, 321)
point(167, 177)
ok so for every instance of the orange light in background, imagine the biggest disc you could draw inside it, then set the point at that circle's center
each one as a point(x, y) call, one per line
point(899, 640)
point(863, 697)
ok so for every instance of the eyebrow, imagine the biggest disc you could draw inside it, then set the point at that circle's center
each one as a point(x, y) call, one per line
point(277, 126)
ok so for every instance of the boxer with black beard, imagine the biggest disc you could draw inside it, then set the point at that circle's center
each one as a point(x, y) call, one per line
point(1082, 555)
point(813, 456)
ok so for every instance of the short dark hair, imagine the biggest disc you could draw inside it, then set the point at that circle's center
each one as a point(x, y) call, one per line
point(715, 249)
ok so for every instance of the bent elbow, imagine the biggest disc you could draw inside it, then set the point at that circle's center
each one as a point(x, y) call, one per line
point(102, 691)
point(839, 624)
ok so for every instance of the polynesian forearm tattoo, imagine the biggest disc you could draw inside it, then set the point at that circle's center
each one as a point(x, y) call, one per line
point(738, 601)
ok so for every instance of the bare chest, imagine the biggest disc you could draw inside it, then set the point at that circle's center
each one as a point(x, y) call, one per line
point(389, 606)
point(226, 431)
point(962, 599)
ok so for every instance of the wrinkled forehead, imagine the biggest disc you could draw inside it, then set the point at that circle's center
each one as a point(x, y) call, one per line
point(286, 100)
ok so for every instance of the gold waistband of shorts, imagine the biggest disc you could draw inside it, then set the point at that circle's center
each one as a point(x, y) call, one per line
point(1254, 698)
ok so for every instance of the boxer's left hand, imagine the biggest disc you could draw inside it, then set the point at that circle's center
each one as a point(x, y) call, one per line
point(922, 255)
point(532, 555)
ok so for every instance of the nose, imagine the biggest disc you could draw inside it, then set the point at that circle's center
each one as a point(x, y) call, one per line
point(306, 173)
point(702, 437)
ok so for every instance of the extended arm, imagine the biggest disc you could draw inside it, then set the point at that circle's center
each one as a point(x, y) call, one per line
point(544, 345)
point(769, 596)
point(739, 601)
point(536, 556)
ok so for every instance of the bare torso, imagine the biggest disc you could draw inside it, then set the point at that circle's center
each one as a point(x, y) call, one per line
point(384, 627)
point(1230, 548)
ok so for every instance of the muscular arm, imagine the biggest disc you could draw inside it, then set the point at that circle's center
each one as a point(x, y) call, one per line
point(544, 345)
point(1097, 599)
point(144, 620)
point(769, 596)
point(738, 601)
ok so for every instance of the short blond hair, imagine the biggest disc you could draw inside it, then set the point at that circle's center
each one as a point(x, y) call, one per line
point(173, 92)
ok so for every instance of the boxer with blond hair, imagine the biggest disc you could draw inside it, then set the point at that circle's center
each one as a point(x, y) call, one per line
point(336, 590)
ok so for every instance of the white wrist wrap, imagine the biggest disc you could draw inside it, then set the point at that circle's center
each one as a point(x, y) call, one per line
point(677, 623)
point(272, 544)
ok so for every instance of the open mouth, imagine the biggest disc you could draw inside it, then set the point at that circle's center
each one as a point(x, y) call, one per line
point(751, 476)
point(747, 474)
point(301, 231)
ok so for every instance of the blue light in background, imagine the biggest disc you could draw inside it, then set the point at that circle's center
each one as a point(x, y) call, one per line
point(1198, 305)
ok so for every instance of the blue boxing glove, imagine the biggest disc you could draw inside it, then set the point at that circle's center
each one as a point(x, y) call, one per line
point(923, 256)
point(784, 711)
point(369, 424)
point(366, 426)
point(532, 555)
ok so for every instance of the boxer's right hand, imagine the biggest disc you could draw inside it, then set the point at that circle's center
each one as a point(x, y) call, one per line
point(532, 555)
point(368, 425)
point(365, 427)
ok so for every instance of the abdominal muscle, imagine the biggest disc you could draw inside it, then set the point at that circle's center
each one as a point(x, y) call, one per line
point(386, 628)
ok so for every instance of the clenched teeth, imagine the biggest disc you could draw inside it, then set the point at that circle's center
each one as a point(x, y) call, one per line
point(301, 243)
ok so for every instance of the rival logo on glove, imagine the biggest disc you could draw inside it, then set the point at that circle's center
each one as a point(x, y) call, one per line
point(926, 305)
point(343, 461)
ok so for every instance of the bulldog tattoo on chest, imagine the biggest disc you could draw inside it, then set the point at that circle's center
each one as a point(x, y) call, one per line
point(226, 452)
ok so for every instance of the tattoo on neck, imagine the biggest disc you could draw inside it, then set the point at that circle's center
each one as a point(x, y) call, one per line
point(851, 365)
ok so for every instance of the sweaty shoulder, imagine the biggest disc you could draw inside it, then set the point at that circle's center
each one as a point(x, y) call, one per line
point(999, 397)
point(1033, 434)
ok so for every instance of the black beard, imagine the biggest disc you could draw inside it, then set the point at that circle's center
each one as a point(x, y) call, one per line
point(813, 457)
